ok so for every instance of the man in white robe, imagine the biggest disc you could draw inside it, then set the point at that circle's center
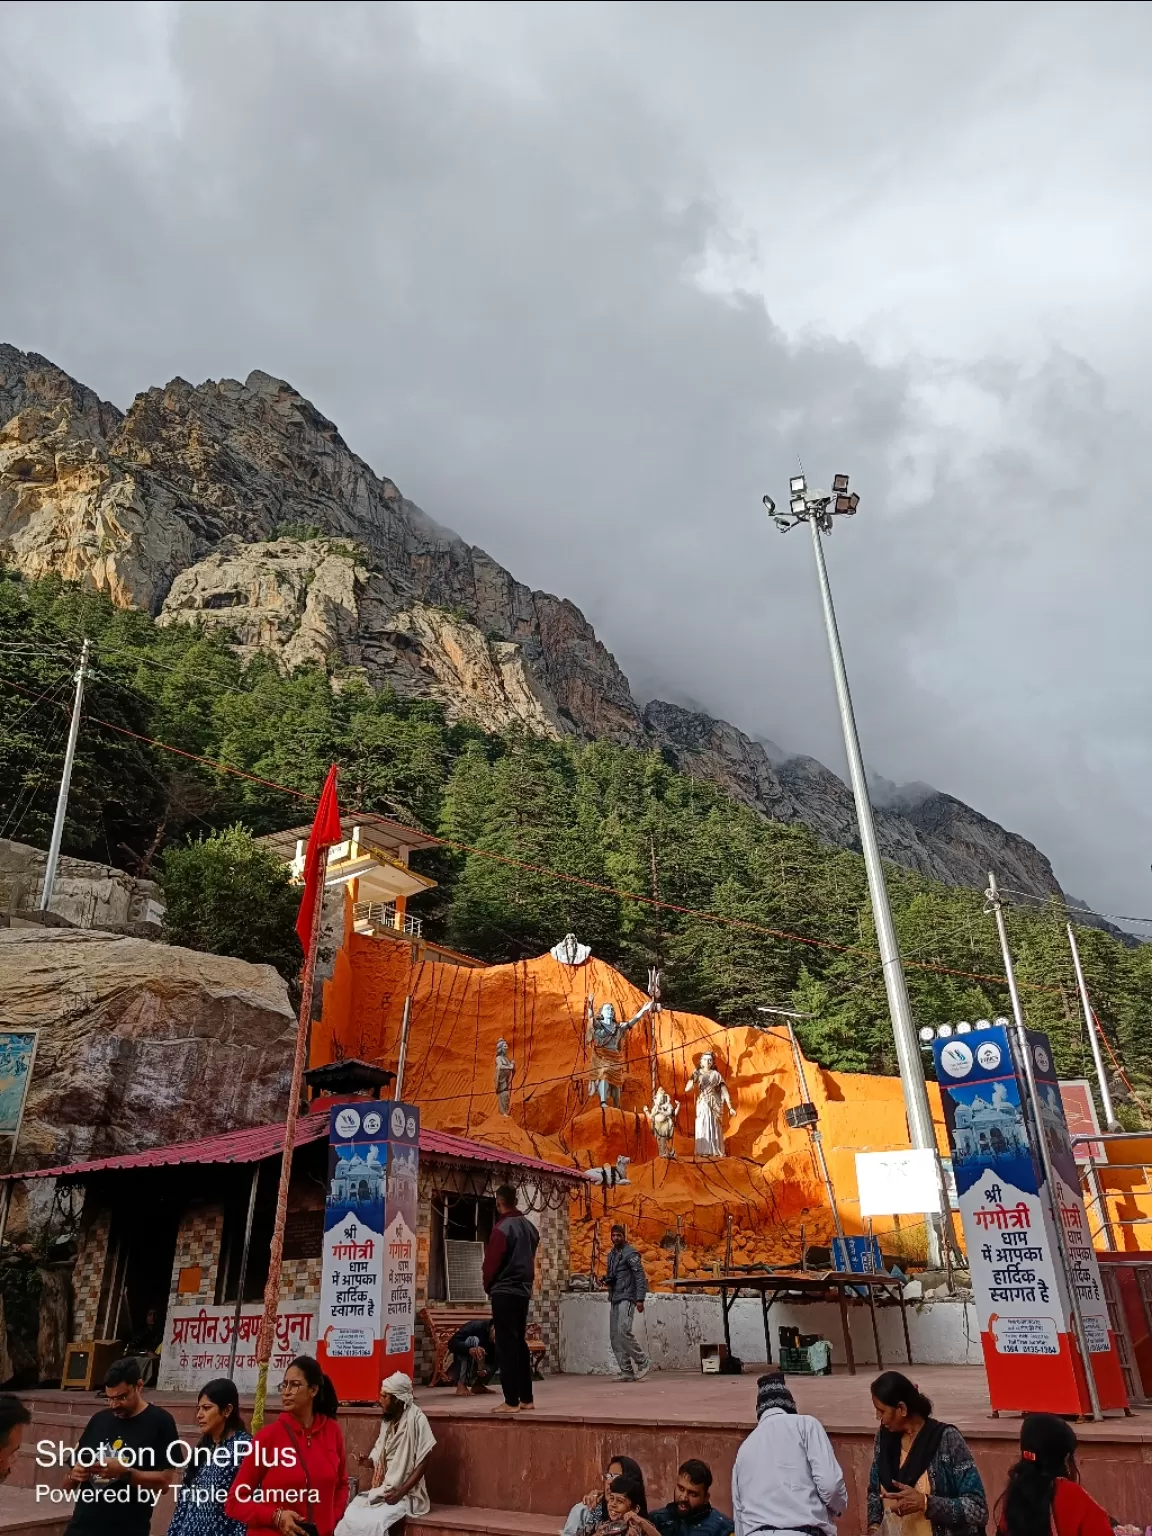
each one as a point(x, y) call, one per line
point(398, 1458)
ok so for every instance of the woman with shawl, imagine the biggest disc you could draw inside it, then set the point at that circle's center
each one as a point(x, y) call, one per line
point(398, 1459)
point(924, 1481)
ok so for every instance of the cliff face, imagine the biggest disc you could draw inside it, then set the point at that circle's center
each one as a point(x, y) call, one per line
point(929, 831)
point(141, 1044)
point(241, 505)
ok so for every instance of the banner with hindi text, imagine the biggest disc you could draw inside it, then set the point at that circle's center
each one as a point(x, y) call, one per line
point(1018, 1280)
point(368, 1282)
point(198, 1343)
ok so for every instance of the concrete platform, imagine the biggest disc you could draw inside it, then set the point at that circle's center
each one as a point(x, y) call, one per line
point(518, 1476)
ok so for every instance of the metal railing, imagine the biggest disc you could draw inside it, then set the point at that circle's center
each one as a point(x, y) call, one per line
point(382, 914)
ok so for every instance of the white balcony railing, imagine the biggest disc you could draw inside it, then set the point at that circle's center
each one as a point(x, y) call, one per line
point(383, 914)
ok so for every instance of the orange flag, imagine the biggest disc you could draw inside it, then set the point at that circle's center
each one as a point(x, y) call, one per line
point(325, 832)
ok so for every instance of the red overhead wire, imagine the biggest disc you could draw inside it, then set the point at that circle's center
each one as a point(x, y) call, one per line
point(555, 874)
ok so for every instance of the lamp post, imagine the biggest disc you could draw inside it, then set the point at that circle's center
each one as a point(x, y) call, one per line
point(817, 509)
point(804, 1117)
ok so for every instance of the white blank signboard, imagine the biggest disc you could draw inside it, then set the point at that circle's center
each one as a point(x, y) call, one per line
point(897, 1183)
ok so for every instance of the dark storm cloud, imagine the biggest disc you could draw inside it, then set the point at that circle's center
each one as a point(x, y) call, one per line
point(495, 244)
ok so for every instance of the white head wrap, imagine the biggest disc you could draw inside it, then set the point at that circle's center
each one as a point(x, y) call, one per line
point(399, 1386)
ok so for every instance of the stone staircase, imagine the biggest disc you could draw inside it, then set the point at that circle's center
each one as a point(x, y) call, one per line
point(459, 1520)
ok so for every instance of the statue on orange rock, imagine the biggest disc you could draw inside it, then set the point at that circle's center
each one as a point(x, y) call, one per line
point(662, 1118)
point(711, 1102)
point(606, 1034)
point(505, 1067)
point(570, 951)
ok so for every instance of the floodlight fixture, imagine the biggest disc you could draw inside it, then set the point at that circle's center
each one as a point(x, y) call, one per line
point(983, 1023)
point(963, 1028)
point(840, 484)
point(1002, 1021)
point(927, 1035)
point(798, 506)
point(944, 1032)
point(846, 505)
point(797, 485)
point(783, 524)
point(770, 505)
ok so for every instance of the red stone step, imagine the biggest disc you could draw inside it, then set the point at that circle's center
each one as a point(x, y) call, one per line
point(21, 1514)
point(464, 1520)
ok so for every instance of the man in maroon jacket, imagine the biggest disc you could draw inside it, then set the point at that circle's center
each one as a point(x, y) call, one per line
point(509, 1274)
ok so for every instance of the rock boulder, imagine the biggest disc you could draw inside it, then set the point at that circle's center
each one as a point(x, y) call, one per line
point(141, 1044)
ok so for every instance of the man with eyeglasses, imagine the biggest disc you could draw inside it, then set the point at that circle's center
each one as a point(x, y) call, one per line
point(131, 1451)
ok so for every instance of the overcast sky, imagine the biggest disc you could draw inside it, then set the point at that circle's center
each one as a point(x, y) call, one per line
point(587, 280)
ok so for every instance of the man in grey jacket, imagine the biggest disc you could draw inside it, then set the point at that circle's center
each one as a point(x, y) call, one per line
point(627, 1287)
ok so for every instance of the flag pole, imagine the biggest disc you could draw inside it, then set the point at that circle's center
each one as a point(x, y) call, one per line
point(276, 1255)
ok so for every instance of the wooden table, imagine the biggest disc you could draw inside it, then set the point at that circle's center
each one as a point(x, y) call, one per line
point(804, 1287)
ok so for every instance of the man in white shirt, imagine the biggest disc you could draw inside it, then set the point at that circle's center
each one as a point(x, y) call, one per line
point(786, 1477)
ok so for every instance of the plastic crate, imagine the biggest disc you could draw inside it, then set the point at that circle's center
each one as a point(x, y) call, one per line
point(814, 1360)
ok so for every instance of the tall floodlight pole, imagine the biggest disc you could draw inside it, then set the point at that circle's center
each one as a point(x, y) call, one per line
point(817, 509)
point(65, 784)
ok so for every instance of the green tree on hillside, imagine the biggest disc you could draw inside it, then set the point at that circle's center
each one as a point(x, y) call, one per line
point(227, 895)
point(602, 813)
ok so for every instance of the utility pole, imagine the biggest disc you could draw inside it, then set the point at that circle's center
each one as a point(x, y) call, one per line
point(817, 508)
point(816, 1138)
point(65, 783)
point(1024, 1053)
point(1110, 1119)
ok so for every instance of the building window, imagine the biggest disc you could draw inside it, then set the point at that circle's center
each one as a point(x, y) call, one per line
point(459, 1222)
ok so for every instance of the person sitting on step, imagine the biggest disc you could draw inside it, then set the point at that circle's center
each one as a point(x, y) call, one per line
point(691, 1513)
point(583, 1518)
point(473, 1351)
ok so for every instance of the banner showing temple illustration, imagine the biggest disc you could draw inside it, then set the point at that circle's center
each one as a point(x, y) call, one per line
point(367, 1294)
point(1018, 1280)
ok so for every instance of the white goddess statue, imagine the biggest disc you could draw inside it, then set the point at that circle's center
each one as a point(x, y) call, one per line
point(711, 1102)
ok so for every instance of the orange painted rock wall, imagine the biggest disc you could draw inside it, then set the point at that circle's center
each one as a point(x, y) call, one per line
point(768, 1183)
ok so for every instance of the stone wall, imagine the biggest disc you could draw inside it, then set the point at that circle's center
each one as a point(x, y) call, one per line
point(198, 1240)
point(85, 894)
point(673, 1328)
point(88, 1274)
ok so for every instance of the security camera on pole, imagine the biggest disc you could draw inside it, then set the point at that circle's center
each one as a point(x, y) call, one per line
point(817, 508)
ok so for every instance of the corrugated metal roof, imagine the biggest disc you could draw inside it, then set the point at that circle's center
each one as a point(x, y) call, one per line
point(263, 1141)
point(379, 829)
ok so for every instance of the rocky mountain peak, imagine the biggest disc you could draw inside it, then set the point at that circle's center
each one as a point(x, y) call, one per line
point(240, 505)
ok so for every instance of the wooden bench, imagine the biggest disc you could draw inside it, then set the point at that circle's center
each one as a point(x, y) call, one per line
point(443, 1321)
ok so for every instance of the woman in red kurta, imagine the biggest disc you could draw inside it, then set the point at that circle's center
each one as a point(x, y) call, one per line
point(1044, 1496)
point(296, 1476)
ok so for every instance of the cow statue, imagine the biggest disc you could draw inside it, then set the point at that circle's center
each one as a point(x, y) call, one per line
point(610, 1175)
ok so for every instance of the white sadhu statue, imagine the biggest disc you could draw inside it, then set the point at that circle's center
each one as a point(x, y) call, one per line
point(570, 951)
point(662, 1118)
point(711, 1101)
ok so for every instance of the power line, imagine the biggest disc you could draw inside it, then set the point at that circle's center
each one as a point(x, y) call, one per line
point(1060, 901)
point(555, 874)
point(543, 869)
